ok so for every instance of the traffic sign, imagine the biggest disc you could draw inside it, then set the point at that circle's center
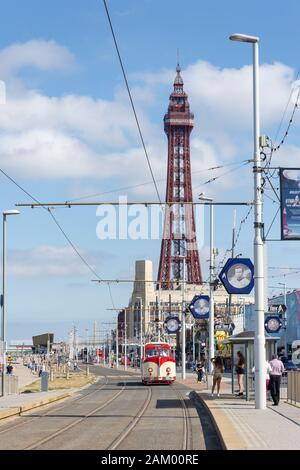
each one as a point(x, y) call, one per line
point(224, 326)
point(199, 307)
point(281, 308)
point(172, 324)
point(273, 324)
point(237, 276)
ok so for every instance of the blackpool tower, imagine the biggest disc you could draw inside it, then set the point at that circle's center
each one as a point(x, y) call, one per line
point(179, 257)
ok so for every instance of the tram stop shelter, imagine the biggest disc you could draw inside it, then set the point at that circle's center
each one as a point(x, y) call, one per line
point(244, 342)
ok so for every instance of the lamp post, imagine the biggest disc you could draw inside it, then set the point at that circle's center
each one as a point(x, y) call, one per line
point(117, 342)
point(5, 214)
point(211, 320)
point(259, 343)
point(125, 339)
point(141, 327)
point(183, 355)
point(285, 318)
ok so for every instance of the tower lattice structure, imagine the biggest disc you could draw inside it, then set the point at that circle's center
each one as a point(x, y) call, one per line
point(179, 244)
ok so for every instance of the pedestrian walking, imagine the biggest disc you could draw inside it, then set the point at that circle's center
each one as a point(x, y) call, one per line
point(240, 371)
point(217, 374)
point(200, 371)
point(268, 371)
point(275, 378)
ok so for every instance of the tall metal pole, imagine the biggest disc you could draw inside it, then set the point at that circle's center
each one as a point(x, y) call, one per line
point(259, 287)
point(232, 256)
point(259, 342)
point(117, 342)
point(285, 323)
point(285, 317)
point(211, 321)
point(3, 304)
point(194, 350)
point(183, 324)
point(87, 354)
point(141, 328)
point(125, 338)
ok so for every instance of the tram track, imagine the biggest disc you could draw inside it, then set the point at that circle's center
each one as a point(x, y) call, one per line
point(57, 408)
point(187, 443)
point(76, 422)
point(187, 429)
point(128, 429)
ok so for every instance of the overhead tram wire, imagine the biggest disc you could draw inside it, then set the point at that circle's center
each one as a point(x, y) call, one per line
point(229, 250)
point(131, 101)
point(212, 180)
point(49, 211)
point(278, 146)
point(124, 188)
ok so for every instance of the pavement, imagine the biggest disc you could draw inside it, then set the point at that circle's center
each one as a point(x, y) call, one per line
point(12, 405)
point(241, 427)
point(25, 376)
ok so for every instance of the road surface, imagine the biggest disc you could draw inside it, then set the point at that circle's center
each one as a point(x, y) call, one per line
point(117, 412)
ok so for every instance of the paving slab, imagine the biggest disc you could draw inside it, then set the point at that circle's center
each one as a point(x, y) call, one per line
point(241, 426)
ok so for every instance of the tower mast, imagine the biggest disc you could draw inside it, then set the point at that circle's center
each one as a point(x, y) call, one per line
point(179, 242)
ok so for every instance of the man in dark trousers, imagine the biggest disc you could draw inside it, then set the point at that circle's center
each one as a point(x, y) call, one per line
point(275, 378)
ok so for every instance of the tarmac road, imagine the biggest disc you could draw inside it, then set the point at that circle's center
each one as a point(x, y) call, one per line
point(118, 412)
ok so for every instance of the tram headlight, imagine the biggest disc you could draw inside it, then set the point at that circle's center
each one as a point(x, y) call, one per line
point(168, 369)
point(150, 369)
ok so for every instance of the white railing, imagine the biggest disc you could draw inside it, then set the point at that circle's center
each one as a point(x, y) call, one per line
point(11, 384)
point(293, 387)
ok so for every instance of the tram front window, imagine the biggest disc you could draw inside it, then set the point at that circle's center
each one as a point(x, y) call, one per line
point(164, 352)
point(151, 353)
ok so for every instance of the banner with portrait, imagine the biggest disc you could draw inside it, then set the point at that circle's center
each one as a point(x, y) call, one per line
point(290, 203)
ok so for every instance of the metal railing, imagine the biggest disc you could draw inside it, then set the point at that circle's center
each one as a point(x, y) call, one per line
point(293, 387)
point(11, 384)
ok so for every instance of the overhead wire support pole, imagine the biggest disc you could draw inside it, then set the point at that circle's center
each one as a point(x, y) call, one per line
point(258, 243)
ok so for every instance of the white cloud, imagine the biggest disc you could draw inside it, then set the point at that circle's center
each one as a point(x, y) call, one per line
point(49, 261)
point(81, 137)
point(40, 54)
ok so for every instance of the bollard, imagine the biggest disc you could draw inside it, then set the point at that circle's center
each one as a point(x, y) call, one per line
point(51, 375)
point(44, 380)
point(87, 370)
point(68, 373)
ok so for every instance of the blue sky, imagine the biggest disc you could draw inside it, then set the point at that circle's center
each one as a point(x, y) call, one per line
point(67, 130)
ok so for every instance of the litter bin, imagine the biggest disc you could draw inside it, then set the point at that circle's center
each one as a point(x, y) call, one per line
point(45, 380)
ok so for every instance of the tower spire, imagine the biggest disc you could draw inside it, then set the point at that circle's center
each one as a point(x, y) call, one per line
point(179, 244)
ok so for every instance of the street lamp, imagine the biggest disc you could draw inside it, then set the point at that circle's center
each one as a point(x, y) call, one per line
point(285, 318)
point(141, 327)
point(5, 214)
point(211, 320)
point(259, 342)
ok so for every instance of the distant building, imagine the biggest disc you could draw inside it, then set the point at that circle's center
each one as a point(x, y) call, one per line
point(293, 317)
point(42, 342)
point(20, 347)
point(145, 300)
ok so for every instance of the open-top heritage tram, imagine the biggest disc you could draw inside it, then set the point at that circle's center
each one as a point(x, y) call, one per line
point(159, 365)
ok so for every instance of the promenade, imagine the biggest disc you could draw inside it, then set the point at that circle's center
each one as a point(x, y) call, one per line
point(241, 426)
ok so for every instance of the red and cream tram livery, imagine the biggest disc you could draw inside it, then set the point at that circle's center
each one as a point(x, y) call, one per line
point(159, 365)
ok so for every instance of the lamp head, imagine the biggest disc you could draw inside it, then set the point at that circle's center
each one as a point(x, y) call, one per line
point(244, 38)
point(11, 212)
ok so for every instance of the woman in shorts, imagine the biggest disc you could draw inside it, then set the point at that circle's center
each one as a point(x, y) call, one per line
point(217, 374)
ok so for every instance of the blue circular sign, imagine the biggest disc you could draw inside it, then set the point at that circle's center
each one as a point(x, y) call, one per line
point(237, 276)
point(273, 324)
point(172, 324)
point(199, 307)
